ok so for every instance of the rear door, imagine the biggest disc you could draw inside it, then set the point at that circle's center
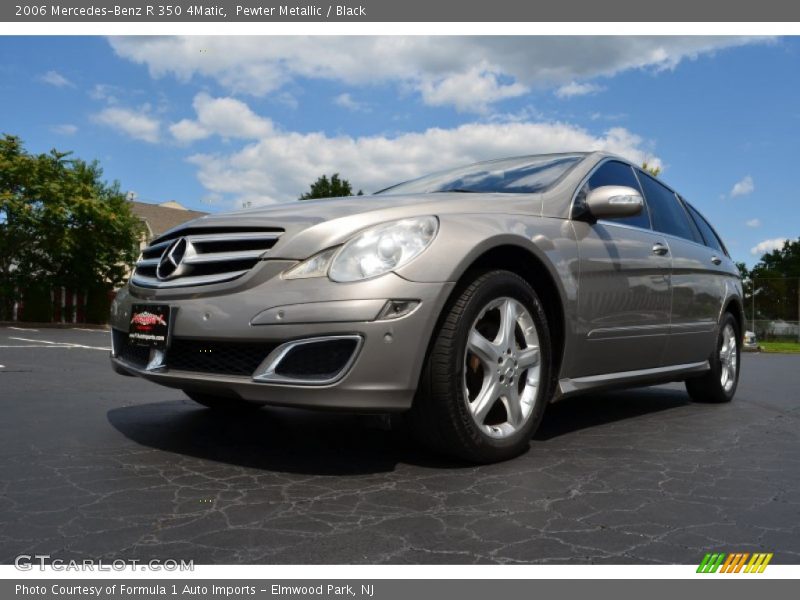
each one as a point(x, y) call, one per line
point(697, 290)
point(624, 290)
point(718, 271)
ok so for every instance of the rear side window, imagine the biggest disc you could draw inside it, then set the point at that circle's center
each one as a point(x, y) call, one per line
point(616, 173)
point(709, 235)
point(666, 211)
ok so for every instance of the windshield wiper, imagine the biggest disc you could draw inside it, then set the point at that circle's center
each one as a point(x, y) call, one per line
point(455, 190)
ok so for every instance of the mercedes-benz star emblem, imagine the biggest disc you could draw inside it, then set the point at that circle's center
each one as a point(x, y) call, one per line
point(171, 263)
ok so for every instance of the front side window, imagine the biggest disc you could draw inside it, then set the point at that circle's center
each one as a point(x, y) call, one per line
point(666, 211)
point(614, 172)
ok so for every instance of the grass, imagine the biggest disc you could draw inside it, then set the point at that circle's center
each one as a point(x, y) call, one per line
point(785, 347)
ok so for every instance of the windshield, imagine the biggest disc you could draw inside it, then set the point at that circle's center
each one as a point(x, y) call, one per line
point(525, 175)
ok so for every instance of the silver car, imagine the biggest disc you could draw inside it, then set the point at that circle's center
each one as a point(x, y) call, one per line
point(468, 299)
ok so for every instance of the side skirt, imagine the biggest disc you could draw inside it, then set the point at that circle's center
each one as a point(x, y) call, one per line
point(579, 385)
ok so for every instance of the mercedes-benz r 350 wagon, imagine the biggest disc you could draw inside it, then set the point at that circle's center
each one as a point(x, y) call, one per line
point(468, 299)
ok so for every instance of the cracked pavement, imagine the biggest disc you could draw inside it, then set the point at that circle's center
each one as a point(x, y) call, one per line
point(96, 465)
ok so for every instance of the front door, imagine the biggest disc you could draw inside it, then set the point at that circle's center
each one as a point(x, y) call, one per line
point(624, 287)
point(623, 299)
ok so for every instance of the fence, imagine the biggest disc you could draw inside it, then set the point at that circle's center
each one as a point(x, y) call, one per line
point(772, 308)
point(63, 305)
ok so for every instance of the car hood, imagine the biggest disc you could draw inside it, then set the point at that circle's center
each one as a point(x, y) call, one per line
point(313, 225)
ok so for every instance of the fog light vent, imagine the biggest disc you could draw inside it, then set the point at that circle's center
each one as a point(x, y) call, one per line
point(313, 361)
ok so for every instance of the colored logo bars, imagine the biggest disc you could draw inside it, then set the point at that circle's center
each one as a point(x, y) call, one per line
point(734, 563)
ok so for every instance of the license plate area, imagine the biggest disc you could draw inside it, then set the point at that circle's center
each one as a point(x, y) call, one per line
point(150, 325)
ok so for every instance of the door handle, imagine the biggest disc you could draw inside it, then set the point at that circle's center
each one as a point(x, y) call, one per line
point(716, 260)
point(660, 249)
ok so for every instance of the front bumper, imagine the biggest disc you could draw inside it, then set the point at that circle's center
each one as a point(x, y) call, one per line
point(386, 366)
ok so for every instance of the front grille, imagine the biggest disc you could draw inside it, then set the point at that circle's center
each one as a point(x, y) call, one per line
point(203, 256)
point(221, 358)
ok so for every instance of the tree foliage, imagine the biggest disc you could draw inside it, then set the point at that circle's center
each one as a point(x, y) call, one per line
point(654, 170)
point(60, 224)
point(774, 281)
point(329, 188)
point(782, 262)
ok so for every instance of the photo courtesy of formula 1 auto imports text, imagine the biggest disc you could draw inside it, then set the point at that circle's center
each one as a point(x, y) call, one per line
point(380, 301)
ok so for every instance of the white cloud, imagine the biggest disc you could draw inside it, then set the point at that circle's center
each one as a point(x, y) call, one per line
point(573, 88)
point(743, 187)
point(767, 246)
point(56, 79)
point(280, 166)
point(599, 116)
point(347, 101)
point(444, 69)
point(105, 92)
point(136, 124)
point(471, 91)
point(225, 117)
point(753, 223)
point(65, 129)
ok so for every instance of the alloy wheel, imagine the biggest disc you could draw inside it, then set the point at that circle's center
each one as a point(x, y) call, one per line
point(502, 367)
point(728, 358)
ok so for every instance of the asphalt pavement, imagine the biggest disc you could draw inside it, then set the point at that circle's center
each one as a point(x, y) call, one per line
point(96, 465)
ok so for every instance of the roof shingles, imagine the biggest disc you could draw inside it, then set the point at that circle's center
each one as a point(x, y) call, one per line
point(162, 218)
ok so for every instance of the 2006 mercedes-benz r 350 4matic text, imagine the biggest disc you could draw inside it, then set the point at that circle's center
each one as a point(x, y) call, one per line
point(469, 299)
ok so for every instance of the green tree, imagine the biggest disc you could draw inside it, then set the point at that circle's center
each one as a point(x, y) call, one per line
point(775, 280)
point(744, 272)
point(654, 171)
point(60, 225)
point(329, 188)
point(782, 262)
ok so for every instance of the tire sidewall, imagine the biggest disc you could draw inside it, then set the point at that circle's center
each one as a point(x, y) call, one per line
point(501, 284)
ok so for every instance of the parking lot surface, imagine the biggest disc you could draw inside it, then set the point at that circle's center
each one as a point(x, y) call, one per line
point(96, 465)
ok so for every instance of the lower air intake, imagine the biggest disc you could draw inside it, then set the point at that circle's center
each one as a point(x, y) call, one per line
point(313, 361)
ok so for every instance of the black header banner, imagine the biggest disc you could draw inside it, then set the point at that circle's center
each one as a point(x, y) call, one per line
point(366, 11)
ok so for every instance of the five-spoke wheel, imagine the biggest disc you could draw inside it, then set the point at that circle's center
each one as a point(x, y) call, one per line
point(501, 367)
point(719, 383)
point(486, 381)
point(728, 358)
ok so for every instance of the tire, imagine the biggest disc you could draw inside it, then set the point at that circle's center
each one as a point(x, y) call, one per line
point(222, 403)
point(719, 384)
point(453, 412)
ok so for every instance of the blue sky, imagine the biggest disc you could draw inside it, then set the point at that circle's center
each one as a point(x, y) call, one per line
point(217, 122)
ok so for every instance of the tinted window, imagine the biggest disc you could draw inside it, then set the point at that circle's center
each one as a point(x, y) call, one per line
point(667, 213)
point(526, 175)
point(709, 235)
point(617, 173)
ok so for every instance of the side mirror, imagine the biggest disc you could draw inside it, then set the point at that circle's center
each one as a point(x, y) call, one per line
point(614, 201)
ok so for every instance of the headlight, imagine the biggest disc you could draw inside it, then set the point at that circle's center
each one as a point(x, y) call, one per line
point(383, 248)
point(372, 252)
point(316, 266)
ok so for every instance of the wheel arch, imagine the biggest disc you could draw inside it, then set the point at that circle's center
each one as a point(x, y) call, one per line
point(537, 271)
point(735, 307)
